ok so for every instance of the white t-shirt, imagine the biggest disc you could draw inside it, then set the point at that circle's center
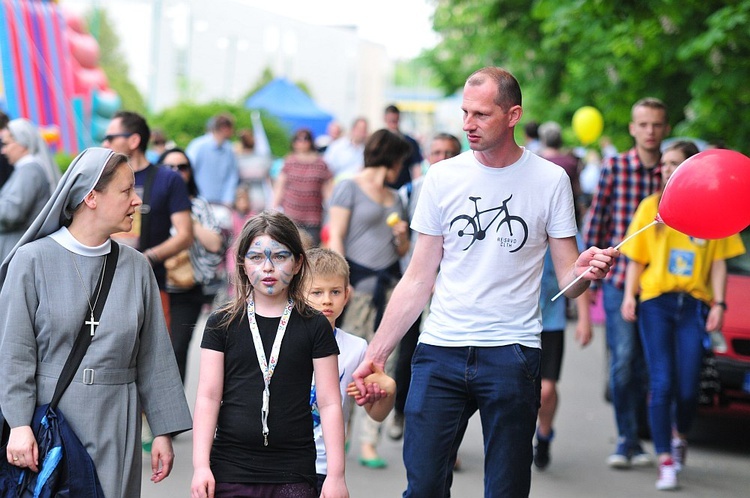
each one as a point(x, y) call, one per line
point(487, 290)
point(344, 157)
point(351, 353)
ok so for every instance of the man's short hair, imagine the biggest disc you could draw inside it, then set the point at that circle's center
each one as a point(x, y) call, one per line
point(327, 263)
point(4, 120)
point(223, 120)
point(392, 109)
point(508, 89)
point(132, 122)
point(651, 103)
point(449, 138)
point(550, 135)
point(531, 129)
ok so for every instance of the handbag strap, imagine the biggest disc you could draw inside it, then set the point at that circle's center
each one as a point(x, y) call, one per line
point(83, 339)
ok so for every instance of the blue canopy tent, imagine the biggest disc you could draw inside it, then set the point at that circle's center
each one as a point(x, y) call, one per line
point(284, 100)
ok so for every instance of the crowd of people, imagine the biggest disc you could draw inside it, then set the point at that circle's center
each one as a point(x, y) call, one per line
point(421, 290)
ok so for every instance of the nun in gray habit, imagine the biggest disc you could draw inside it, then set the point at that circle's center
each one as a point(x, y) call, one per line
point(28, 188)
point(47, 281)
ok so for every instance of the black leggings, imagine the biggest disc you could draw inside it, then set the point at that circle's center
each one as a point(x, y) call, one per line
point(185, 308)
point(403, 364)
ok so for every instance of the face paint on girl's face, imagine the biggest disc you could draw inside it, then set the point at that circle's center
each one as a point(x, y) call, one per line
point(270, 266)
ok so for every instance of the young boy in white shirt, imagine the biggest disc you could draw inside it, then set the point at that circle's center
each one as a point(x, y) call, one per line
point(328, 292)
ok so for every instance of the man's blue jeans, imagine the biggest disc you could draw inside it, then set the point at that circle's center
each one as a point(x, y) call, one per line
point(447, 386)
point(672, 327)
point(627, 368)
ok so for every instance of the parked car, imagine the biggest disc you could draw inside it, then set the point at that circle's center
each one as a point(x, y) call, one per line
point(731, 345)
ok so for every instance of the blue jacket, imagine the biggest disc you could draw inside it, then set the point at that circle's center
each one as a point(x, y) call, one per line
point(66, 468)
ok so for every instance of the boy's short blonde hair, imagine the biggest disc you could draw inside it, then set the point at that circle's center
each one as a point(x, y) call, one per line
point(325, 262)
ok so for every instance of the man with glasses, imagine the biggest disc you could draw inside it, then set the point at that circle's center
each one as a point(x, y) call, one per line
point(214, 163)
point(166, 204)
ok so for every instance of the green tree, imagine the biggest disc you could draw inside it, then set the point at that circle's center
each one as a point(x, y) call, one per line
point(112, 62)
point(186, 120)
point(608, 53)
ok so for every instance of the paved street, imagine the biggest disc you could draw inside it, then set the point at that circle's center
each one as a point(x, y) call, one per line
point(718, 459)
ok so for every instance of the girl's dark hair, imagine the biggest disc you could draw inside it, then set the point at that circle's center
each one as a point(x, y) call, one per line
point(247, 139)
point(108, 173)
point(283, 230)
point(687, 148)
point(385, 148)
point(192, 187)
point(308, 136)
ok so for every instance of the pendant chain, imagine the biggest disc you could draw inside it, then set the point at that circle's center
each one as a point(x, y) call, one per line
point(88, 299)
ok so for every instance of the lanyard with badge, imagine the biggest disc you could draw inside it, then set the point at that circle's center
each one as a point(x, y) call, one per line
point(267, 367)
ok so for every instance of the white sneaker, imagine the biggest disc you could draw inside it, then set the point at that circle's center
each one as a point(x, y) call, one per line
point(641, 459)
point(618, 461)
point(679, 453)
point(667, 476)
point(620, 458)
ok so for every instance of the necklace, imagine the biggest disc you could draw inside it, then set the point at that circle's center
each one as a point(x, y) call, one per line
point(91, 322)
point(267, 367)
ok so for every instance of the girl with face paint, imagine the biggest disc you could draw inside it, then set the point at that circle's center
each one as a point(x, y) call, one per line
point(253, 424)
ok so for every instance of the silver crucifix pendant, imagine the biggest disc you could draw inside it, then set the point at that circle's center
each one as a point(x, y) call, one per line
point(92, 324)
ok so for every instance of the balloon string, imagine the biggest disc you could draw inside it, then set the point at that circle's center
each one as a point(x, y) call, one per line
point(579, 277)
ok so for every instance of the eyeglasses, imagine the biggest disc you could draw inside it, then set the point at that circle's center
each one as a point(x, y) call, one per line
point(180, 167)
point(109, 138)
point(302, 138)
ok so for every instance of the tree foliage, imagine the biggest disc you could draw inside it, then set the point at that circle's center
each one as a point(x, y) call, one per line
point(113, 63)
point(693, 54)
point(186, 120)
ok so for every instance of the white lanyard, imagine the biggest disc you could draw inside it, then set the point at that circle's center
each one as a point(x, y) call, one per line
point(267, 367)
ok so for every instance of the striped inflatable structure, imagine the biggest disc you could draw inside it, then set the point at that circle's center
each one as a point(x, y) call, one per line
point(49, 72)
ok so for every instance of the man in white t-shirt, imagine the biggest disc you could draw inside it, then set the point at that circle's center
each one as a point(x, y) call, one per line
point(485, 218)
point(346, 156)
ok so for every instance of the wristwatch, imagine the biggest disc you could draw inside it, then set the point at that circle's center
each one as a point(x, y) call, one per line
point(721, 304)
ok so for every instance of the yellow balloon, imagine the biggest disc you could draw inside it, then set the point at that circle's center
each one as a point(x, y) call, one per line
point(588, 124)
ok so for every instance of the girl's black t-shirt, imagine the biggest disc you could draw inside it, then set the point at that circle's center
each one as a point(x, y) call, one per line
point(238, 454)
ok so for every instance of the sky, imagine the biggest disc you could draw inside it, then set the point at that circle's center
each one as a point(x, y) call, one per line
point(404, 27)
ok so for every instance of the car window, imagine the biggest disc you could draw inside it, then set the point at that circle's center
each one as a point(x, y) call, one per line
point(740, 265)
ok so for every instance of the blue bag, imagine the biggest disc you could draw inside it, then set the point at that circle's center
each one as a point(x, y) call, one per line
point(65, 467)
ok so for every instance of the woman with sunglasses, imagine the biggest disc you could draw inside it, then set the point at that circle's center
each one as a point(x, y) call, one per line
point(206, 255)
point(304, 183)
point(29, 186)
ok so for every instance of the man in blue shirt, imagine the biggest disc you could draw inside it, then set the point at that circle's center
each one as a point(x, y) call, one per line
point(214, 163)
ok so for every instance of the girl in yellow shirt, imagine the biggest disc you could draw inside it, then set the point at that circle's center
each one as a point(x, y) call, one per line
point(681, 281)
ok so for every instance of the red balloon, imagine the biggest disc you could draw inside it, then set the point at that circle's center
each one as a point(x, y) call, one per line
point(708, 196)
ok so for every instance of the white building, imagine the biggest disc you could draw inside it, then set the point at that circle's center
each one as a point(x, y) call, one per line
point(218, 49)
